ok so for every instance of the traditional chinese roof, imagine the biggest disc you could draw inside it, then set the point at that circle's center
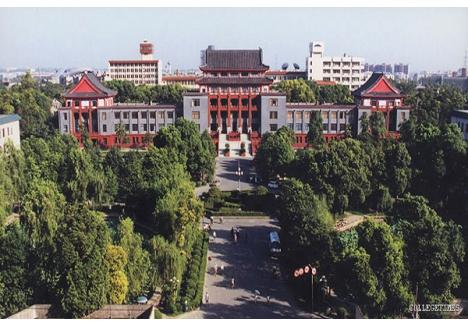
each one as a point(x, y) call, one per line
point(89, 86)
point(377, 86)
point(234, 81)
point(234, 60)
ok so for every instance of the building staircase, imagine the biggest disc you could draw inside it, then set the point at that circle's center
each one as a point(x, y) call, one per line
point(234, 145)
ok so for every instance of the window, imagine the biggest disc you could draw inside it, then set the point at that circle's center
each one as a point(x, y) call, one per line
point(65, 128)
point(125, 115)
point(143, 115)
point(134, 115)
point(273, 114)
point(342, 127)
point(117, 115)
point(127, 127)
point(325, 126)
point(273, 127)
point(298, 126)
point(290, 115)
point(77, 103)
point(104, 116)
point(341, 115)
point(104, 128)
point(145, 127)
point(274, 102)
point(94, 103)
point(403, 115)
point(161, 115)
point(333, 115)
point(65, 116)
point(195, 102)
point(195, 115)
point(298, 116)
point(333, 126)
point(245, 102)
point(306, 128)
point(324, 115)
point(152, 126)
point(152, 115)
point(170, 115)
point(307, 116)
point(135, 127)
point(291, 126)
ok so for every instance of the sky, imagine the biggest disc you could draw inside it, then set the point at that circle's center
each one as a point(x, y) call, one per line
point(432, 39)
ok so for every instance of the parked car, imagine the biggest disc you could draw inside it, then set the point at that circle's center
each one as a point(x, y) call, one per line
point(273, 184)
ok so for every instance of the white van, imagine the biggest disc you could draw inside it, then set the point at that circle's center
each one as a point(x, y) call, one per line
point(275, 245)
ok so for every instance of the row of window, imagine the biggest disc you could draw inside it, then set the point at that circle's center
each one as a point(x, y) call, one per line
point(299, 127)
point(233, 74)
point(135, 127)
point(142, 115)
point(234, 102)
point(225, 89)
point(344, 71)
point(84, 103)
point(148, 76)
point(325, 115)
point(134, 64)
point(7, 131)
point(114, 70)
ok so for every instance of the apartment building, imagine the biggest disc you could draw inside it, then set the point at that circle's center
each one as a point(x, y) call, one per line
point(145, 71)
point(345, 70)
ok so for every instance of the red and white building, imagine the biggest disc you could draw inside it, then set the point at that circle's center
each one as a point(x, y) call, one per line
point(378, 94)
point(89, 106)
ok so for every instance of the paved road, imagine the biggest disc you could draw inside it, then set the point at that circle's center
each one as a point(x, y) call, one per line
point(226, 168)
point(250, 264)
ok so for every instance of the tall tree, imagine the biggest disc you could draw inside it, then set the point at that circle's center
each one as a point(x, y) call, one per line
point(426, 236)
point(14, 270)
point(377, 125)
point(82, 239)
point(116, 259)
point(274, 154)
point(315, 134)
point(138, 263)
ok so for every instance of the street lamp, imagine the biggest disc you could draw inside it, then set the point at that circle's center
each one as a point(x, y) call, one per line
point(305, 270)
point(239, 173)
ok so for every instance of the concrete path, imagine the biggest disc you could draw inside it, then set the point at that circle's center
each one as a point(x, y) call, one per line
point(249, 262)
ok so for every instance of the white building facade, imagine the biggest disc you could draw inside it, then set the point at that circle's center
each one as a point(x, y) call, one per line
point(146, 71)
point(9, 130)
point(345, 70)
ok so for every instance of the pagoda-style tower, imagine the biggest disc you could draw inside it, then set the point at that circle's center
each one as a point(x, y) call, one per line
point(83, 100)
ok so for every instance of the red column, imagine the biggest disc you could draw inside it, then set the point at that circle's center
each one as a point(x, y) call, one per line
point(250, 112)
point(218, 112)
point(229, 112)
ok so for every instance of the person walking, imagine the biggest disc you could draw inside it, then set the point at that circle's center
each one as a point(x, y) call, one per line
point(207, 298)
point(216, 269)
point(221, 269)
point(232, 283)
point(268, 299)
point(221, 219)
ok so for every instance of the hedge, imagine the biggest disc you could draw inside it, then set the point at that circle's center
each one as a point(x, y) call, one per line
point(192, 287)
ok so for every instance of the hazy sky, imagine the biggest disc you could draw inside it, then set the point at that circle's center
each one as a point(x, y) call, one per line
point(426, 38)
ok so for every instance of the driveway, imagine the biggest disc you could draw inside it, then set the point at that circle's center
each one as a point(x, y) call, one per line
point(249, 262)
point(226, 168)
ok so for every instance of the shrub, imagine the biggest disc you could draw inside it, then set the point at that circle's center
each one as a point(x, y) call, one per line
point(342, 313)
point(157, 314)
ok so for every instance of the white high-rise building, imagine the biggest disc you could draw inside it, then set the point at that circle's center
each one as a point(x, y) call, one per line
point(144, 71)
point(345, 70)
